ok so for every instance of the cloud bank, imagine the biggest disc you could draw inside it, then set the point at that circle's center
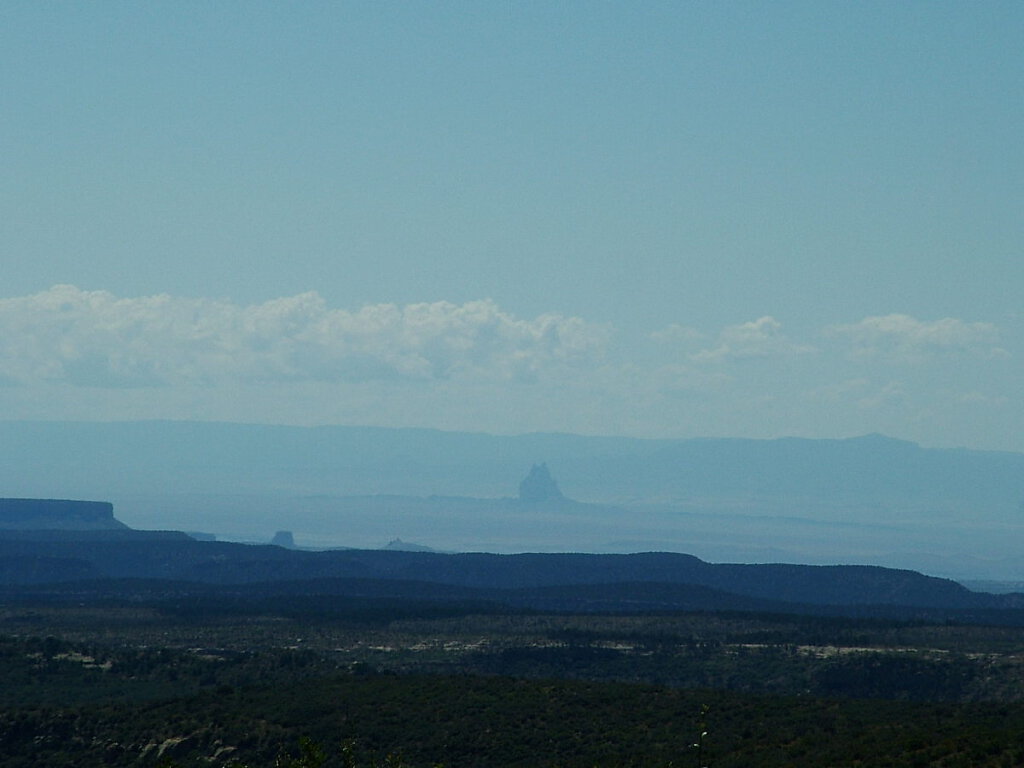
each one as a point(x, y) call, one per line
point(94, 338)
point(761, 338)
point(905, 337)
point(68, 353)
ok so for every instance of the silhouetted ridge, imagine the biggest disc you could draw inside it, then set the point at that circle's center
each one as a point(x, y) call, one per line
point(26, 560)
point(59, 514)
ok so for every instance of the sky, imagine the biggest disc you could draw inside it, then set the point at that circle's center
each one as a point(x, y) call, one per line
point(657, 219)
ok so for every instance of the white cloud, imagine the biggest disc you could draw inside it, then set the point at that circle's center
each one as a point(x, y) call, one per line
point(909, 339)
point(95, 338)
point(761, 338)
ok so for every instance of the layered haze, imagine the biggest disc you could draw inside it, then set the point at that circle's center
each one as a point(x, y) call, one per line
point(863, 500)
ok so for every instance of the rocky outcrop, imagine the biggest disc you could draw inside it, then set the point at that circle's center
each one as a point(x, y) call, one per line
point(283, 539)
point(539, 485)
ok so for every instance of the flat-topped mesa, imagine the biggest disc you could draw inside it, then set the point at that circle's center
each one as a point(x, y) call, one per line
point(58, 514)
point(539, 485)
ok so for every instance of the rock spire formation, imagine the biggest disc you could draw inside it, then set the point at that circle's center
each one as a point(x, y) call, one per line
point(539, 485)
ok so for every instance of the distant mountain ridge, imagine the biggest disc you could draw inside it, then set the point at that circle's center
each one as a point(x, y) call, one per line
point(106, 458)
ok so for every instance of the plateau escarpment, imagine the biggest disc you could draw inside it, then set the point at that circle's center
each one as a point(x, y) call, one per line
point(58, 514)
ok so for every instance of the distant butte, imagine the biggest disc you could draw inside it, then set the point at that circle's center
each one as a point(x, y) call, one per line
point(284, 539)
point(58, 514)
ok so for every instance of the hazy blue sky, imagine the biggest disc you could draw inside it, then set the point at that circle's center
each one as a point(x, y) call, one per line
point(670, 219)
